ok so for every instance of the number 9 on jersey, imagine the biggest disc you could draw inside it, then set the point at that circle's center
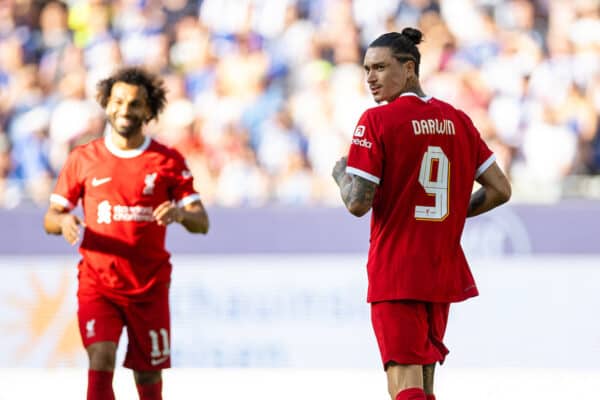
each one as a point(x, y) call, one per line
point(438, 186)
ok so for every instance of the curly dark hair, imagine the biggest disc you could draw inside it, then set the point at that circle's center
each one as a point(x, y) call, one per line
point(153, 84)
point(402, 45)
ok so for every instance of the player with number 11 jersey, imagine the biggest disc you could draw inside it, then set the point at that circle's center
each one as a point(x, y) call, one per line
point(131, 188)
point(424, 156)
point(123, 247)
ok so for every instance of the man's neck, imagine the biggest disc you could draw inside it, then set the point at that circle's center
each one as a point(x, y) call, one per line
point(416, 89)
point(413, 86)
point(122, 143)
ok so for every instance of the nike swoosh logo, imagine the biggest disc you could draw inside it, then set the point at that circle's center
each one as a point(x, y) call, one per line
point(156, 361)
point(98, 182)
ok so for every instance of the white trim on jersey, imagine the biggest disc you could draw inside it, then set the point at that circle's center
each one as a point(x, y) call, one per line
point(188, 200)
point(424, 99)
point(126, 153)
point(362, 174)
point(58, 199)
point(485, 166)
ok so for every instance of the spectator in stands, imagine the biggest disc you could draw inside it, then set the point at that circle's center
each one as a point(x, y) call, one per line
point(242, 61)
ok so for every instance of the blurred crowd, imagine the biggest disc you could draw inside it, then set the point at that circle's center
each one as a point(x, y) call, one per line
point(263, 95)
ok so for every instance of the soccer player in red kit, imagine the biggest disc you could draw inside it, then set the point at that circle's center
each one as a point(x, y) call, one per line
point(131, 187)
point(414, 160)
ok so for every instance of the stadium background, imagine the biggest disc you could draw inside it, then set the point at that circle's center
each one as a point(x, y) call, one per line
point(263, 98)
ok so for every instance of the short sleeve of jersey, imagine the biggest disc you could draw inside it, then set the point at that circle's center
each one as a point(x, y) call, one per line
point(182, 188)
point(365, 158)
point(484, 157)
point(70, 184)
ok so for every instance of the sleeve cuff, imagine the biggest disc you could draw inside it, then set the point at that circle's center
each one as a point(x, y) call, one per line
point(188, 200)
point(362, 174)
point(58, 199)
point(485, 166)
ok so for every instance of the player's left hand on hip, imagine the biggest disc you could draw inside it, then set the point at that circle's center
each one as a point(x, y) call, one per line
point(167, 213)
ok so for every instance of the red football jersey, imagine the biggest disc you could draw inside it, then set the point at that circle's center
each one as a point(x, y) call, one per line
point(424, 155)
point(123, 247)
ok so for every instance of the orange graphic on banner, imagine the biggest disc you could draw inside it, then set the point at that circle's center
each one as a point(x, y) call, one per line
point(45, 326)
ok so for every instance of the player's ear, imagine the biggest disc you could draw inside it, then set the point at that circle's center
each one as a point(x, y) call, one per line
point(411, 66)
point(148, 113)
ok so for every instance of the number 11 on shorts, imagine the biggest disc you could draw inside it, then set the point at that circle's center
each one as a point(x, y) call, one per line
point(437, 185)
point(156, 352)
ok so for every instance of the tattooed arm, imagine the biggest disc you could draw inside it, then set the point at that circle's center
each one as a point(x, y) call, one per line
point(494, 191)
point(357, 193)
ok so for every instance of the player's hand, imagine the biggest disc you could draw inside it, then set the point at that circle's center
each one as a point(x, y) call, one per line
point(167, 213)
point(70, 226)
point(339, 171)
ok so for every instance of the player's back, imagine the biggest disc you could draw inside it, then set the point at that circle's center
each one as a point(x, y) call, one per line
point(431, 153)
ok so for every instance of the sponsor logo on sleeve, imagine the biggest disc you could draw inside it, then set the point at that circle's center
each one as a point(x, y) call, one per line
point(359, 131)
point(362, 143)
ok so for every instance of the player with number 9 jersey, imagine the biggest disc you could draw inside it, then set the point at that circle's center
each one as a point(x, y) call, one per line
point(424, 156)
point(413, 161)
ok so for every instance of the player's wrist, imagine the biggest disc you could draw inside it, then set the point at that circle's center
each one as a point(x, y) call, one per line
point(179, 217)
point(64, 218)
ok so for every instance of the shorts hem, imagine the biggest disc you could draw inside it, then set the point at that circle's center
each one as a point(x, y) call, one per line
point(412, 361)
point(146, 367)
point(90, 341)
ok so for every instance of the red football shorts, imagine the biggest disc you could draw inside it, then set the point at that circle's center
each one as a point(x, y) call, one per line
point(148, 326)
point(410, 332)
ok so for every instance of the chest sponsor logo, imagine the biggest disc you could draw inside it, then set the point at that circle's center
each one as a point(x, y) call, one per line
point(104, 213)
point(359, 131)
point(107, 213)
point(101, 181)
point(149, 181)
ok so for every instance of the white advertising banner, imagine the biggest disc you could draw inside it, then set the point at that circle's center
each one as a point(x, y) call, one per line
point(226, 311)
point(309, 311)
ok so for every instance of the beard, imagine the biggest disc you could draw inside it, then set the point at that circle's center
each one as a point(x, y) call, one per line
point(134, 127)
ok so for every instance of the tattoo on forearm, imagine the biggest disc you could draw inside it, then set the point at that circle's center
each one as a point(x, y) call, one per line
point(345, 187)
point(358, 190)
